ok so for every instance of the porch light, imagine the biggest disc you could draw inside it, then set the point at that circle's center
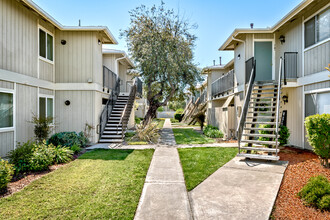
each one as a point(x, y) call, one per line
point(67, 102)
point(282, 39)
point(285, 99)
point(99, 42)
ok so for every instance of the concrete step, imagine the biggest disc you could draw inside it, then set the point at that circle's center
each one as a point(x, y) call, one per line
point(111, 132)
point(261, 129)
point(116, 122)
point(113, 125)
point(271, 150)
point(113, 129)
point(110, 141)
point(260, 122)
point(111, 136)
point(257, 156)
point(261, 135)
point(259, 142)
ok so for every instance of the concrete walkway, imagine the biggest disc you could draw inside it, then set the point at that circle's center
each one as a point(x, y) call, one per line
point(241, 189)
point(164, 194)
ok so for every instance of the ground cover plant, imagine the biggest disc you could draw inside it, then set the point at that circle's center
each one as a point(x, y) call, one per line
point(200, 163)
point(102, 184)
point(212, 132)
point(189, 136)
point(6, 173)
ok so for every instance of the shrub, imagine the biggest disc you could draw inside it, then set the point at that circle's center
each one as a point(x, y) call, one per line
point(173, 120)
point(316, 192)
point(42, 157)
point(68, 139)
point(21, 156)
point(212, 132)
point(75, 148)
point(129, 134)
point(179, 111)
point(284, 133)
point(61, 154)
point(147, 133)
point(318, 130)
point(6, 173)
point(42, 127)
point(178, 116)
point(137, 120)
point(160, 109)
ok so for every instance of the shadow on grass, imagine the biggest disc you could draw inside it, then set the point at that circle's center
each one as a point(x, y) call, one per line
point(108, 154)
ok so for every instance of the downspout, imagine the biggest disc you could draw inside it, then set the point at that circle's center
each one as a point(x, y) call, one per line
point(242, 41)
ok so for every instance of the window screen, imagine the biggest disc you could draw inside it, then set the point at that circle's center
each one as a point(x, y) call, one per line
point(323, 25)
point(310, 32)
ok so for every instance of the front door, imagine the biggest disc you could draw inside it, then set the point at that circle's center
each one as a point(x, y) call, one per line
point(264, 60)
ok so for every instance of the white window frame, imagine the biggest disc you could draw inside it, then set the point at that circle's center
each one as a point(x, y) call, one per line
point(303, 30)
point(11, 91)
point(47, 97)
point(51, 34)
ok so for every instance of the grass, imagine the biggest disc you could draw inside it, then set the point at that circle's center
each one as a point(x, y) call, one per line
point(102, 184)
point(189, 136)
point(160, 122)
point(137, 143)
point(199, 163)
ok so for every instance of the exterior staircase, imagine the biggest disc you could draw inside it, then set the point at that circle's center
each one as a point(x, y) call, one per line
point(261, 107)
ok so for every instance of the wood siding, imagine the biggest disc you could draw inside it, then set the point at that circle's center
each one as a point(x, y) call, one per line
point(46, 71)
point(26, 106)
point(6, 85)
point(6, 143)
point(317, 58)
point(79, 59)
point(315, 86)
point(46, 91)
point(109, 60)
point(19, 38)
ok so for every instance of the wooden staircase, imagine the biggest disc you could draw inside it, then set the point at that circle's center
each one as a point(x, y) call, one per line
point(261, 107)
point(261, 111)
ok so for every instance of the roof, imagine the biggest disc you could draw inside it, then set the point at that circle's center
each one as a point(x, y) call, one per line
point(120, 52)
point(108, 37)
point(217, 67)
point(272, 29)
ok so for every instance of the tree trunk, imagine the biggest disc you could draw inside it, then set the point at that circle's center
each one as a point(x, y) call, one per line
point(151, 114)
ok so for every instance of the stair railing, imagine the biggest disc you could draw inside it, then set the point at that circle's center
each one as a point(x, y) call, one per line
point(242, 119)
point(124, 118)
point(107, 110)
point(278, 101)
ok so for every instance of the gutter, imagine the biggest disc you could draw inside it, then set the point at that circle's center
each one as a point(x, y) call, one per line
point(117, 63)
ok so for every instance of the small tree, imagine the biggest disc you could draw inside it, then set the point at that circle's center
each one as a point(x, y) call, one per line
point(318, 129)
point(42, 127)
point(162, 46)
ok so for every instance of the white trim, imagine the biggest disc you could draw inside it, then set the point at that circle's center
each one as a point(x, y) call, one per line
point(317, 91)
point(303, 46)
point(40, 27)
point(14, 109)
point(317, 44)
point(303, 117)
point(10, 91)
point(313, 78)
point(273, 53)
point(46, 97)
point(317, 12)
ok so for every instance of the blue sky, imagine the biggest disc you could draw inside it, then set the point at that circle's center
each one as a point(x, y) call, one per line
point(216, 19)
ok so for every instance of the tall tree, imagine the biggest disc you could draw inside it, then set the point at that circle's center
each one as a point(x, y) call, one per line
point(161, 44)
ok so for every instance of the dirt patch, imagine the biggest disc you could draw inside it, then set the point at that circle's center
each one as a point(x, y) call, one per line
point(302, 166)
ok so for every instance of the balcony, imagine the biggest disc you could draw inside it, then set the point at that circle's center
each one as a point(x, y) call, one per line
point(224, 85)
point(109, 79)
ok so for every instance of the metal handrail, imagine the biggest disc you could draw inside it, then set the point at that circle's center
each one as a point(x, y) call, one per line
point(124, 118)
point(278, 101)
point(109, 79)
point(107, 110)
point(242, 119)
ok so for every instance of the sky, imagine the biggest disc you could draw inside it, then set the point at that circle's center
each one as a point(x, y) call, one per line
point(216, 19)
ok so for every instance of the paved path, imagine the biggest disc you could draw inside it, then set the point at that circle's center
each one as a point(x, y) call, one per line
point(164, 194)
point(241, 189)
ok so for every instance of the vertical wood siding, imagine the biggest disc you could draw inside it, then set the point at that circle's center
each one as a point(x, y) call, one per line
point(46, 71)
point(6, 85)
point(80, 111)
point(19, 38)
point(317, 58)
point(315, 86)
point(26, 106)
point(46, 91)
point(109, 60)
point(6, 142)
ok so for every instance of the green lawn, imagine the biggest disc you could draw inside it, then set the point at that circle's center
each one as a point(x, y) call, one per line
point(102, 184)
point(199, 163)
point(189, 136)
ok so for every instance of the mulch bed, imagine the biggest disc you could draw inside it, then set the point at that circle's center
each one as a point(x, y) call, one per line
point(22, 180)
point(302, 166)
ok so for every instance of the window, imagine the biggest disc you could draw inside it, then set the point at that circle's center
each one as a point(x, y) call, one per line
point(6, 110)
point(317, 28)
point(46, 106)
point(45, 45)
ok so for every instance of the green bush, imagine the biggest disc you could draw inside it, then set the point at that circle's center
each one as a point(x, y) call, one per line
point(178, 116)
point(42, 157)
point(160, 109)
point(212, 132)
point(75, 148)
point(68, 139)
point(129, 134)
point(42, 127)
point(173, 120)
point(6, 173)
point(20, 157)
point(284, 133)
point(316, 192)
point(61, 154)
point(318, 130)
point(137, 120)
point(179, 111)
